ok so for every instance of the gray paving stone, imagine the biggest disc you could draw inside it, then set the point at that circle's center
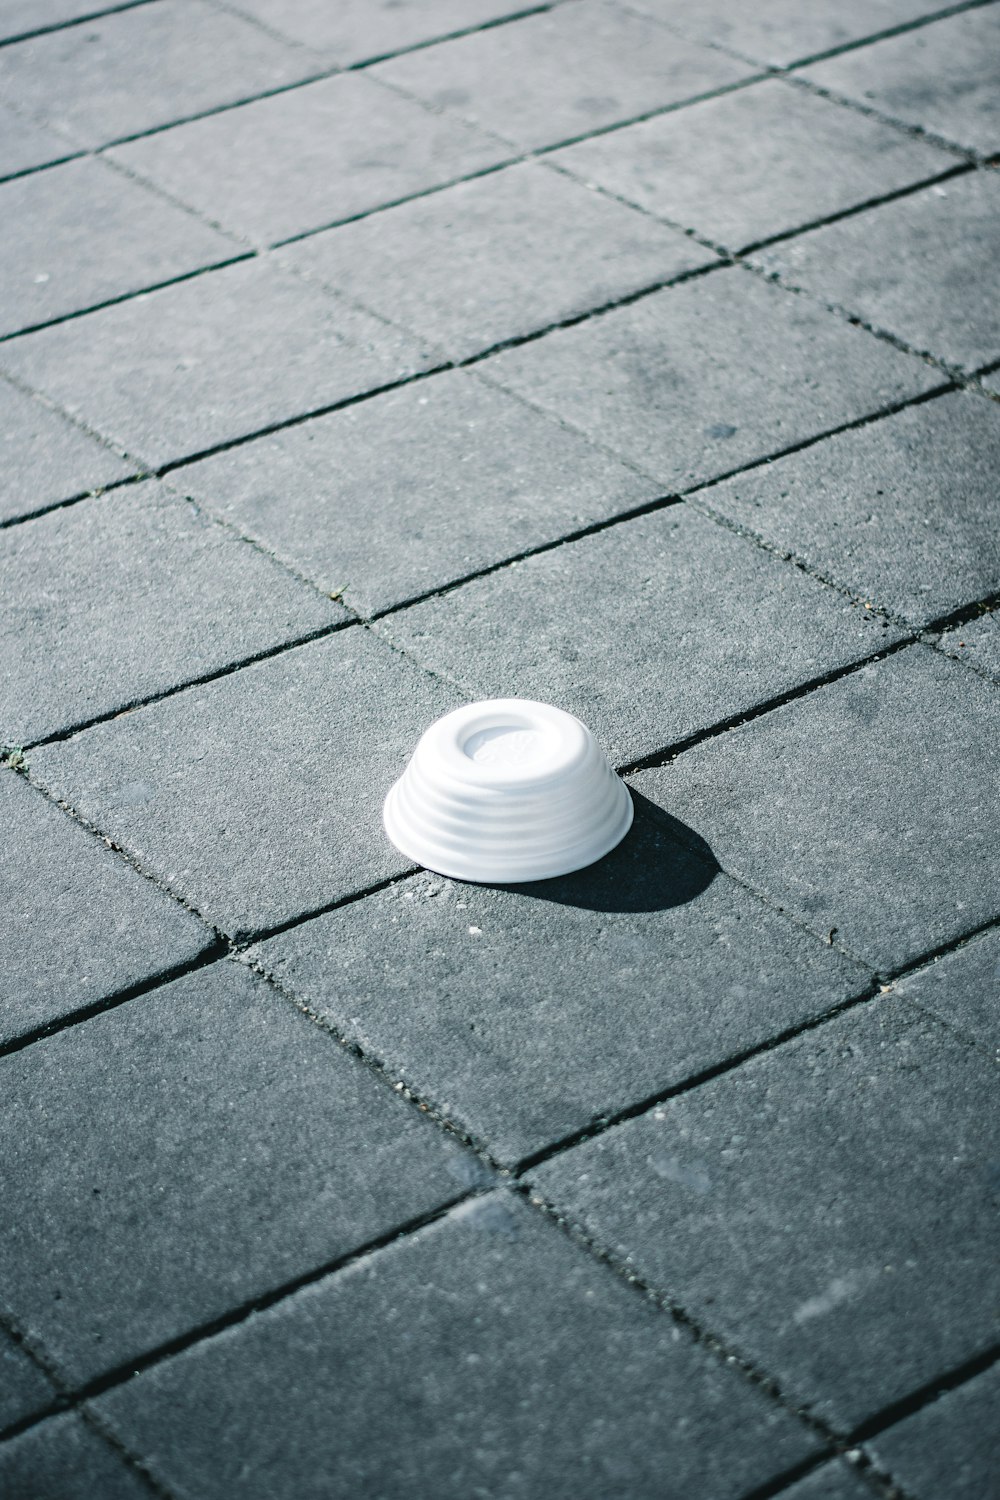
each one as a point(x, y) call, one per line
point(260, 795)
point(210, 360)
point(951, 1449)
point(19, 17)
point(942, 77)
point(963, 987)
point(977, 643)
point(450, 474)
point(780, 32)
point(758, 162)
point(64, 1459)
point(559, 75)
point(526, 1013)
point(923, 268)
point(857, 1159)
point(184, 1153)
point(354, 31)
point(460, 1361)
point(666, 382)
point(45, 459)
point(308, 158)
point(128, 594)
point(24, 144)
point(145, 67)
point(24, 1389)
point(497, 258)
point(80, 234)
point(649, 631)
point(862, 807)
point(79, 925)
point(902, 512)
point(835, 1481)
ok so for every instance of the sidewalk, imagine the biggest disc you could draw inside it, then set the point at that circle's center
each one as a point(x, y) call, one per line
point(358, 360)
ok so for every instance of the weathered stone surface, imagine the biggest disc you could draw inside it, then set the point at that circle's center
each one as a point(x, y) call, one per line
point(861, 807)
point(24, 1389)
point(25, 144)
point(45, 459)
point(497, 258)
point(79, 925)
point(835, 1481)
point(145, 67)
point(977, 643)
point(856, 1158)
point(561, 74)
point(19, 17)
point(963, 987)
point(192, 598)
point(450, 474)
point(65, 1459)
point(80, 234)
point(902, 512)
point(142, 1145)
point(923, 268)
point(950, 1447)
point(761, 161)
point(781, 32)
point(526, 1013)
point(309, 157)
point(260, 795)
point(702, 378)
point(354, 31)
point(461, 1360)
point(183, 370)
point(941, 77)
point(650, 631)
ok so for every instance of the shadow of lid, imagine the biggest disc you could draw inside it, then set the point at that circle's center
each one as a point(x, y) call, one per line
point(660, 863)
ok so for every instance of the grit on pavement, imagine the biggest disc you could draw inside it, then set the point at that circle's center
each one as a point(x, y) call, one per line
point(364, 358)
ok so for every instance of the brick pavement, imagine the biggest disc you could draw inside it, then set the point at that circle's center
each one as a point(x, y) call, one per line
point(357, 360)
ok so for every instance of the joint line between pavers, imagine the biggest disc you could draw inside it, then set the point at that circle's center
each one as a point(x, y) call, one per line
point(97, 14)
point(904, 127)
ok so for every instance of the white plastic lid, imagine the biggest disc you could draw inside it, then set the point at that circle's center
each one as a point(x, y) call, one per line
point(505, 791)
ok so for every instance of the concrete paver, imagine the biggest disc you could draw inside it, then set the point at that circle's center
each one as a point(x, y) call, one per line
point(762, 161)
point(140, 68)
point(781, 32)
point(24, 144)
point(310, 157)
point(192, 598)
point(276, 1108)
point(941, 77)
point(79, 925)
point(902, 512)
point(949, 1448)
point(265, 807)
point(658, 380)
point(80, 234)
point(923, 268)
point(206, 1143)
point(501, 1007)
point(354, 31)
point(450, 474)
point(563, 73)
point(476, 265)
point(595, 626)
point(69, 1459)
point(977, 643)
point(24, 1389)
point(963, 987)
point(861, 807)
point(856, 1158)
point(460, 1360)
point(45, 459)
point(180, 371)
